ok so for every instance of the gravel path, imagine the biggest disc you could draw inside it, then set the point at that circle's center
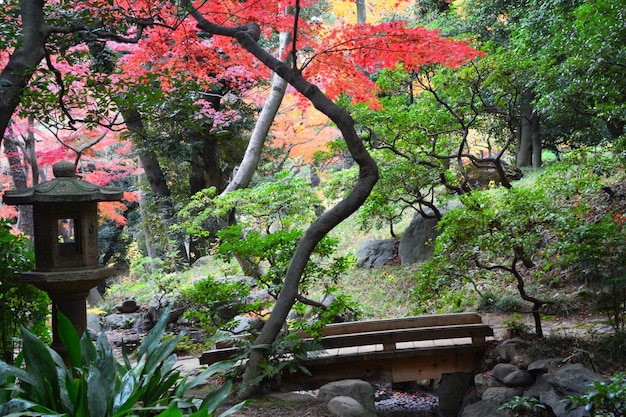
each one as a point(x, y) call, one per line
point(393, 403)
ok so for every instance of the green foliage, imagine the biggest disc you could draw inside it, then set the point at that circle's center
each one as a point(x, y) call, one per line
point(96, 384)
point(516, 327)
point(269, 221)
point(284, 354)
point(605, 399)
point(561, 221)
point(21, 304)
point(524, 407)
point(216, 302)
point(283, 202)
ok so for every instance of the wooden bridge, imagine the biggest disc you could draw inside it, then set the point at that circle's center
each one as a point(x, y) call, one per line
point(392, 350)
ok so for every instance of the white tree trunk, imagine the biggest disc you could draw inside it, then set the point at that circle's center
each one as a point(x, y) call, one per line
point(252, 155)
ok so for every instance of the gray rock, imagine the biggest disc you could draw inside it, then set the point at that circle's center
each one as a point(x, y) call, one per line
point(129, 305)
point(158, 304)
point(519, 378)
point(123, 321)
point(549, 396)
point(244, 324)
point(503, 370)
point(418, 239)
point(512, 351)
point(501, 394)
point(94, 325)
point(539, 388)
point(94, 297)
point(202, 261)
point(357, 389)
point(483, 409)
point(572, 379)
point(483, 381)
point(374, 253)
point(344, 406)
point(451, 390)
point(237, 278)
point(292, 397)
point(543, 366)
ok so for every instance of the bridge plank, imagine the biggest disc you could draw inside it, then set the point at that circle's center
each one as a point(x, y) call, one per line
point(391, 350)
point(384, 337)
point(430, 320)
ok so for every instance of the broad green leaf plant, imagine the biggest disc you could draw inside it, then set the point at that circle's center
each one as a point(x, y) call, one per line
point(21, 303)
point(95, 384)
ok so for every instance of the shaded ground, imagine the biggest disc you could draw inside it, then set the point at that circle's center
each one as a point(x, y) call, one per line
point(389, 403)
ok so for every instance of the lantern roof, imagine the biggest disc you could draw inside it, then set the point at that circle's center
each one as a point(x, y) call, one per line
point(66, 187)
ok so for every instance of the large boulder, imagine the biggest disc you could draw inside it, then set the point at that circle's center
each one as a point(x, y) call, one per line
point(123, 321)
point(362, 392)
point(549, 380)
point(483, 409)
point(512, 376)
point(572, 379)
point(375, 253)
point(159, 304)
point(451, 390)
point(418, 239)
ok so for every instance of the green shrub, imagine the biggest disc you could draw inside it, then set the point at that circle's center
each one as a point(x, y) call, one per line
point(515, 327)
point(21, 304)
point(542, 235)
point(605, 399)
point(95, 384)
point(526, 407)
point(284, 355)
point(270, 221)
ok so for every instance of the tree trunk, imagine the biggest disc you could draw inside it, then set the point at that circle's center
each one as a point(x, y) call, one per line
point(19, 174)
point(361, 12)
point(206, 168)
point(155, 176)
point(23, 61)
point(536, 141)
point(368, 175)
point(250, 160)
point(146, 234)
point(528, 140)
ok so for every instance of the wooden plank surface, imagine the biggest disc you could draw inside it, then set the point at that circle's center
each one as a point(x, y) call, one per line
point(378, 368)
point(377, 349)
point(385, 337)
point(401, 323)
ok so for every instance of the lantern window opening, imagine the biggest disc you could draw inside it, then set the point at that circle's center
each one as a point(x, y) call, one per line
point(67, 231)
point(69, 236)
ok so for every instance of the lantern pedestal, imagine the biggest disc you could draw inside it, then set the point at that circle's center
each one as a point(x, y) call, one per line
point(68, 291)
point(65, 212)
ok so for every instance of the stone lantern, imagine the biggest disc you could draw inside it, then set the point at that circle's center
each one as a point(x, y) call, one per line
point(65, 212)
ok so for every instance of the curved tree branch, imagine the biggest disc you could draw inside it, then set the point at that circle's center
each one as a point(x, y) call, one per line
point(247, 36)
point(536, 302)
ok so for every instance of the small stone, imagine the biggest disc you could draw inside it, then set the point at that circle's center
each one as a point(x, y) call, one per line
point(127, 306)
point(502, 370)
point(344, 406)
point(519, 378)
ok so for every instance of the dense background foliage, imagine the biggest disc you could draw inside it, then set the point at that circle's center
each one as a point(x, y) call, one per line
point(21, 304)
